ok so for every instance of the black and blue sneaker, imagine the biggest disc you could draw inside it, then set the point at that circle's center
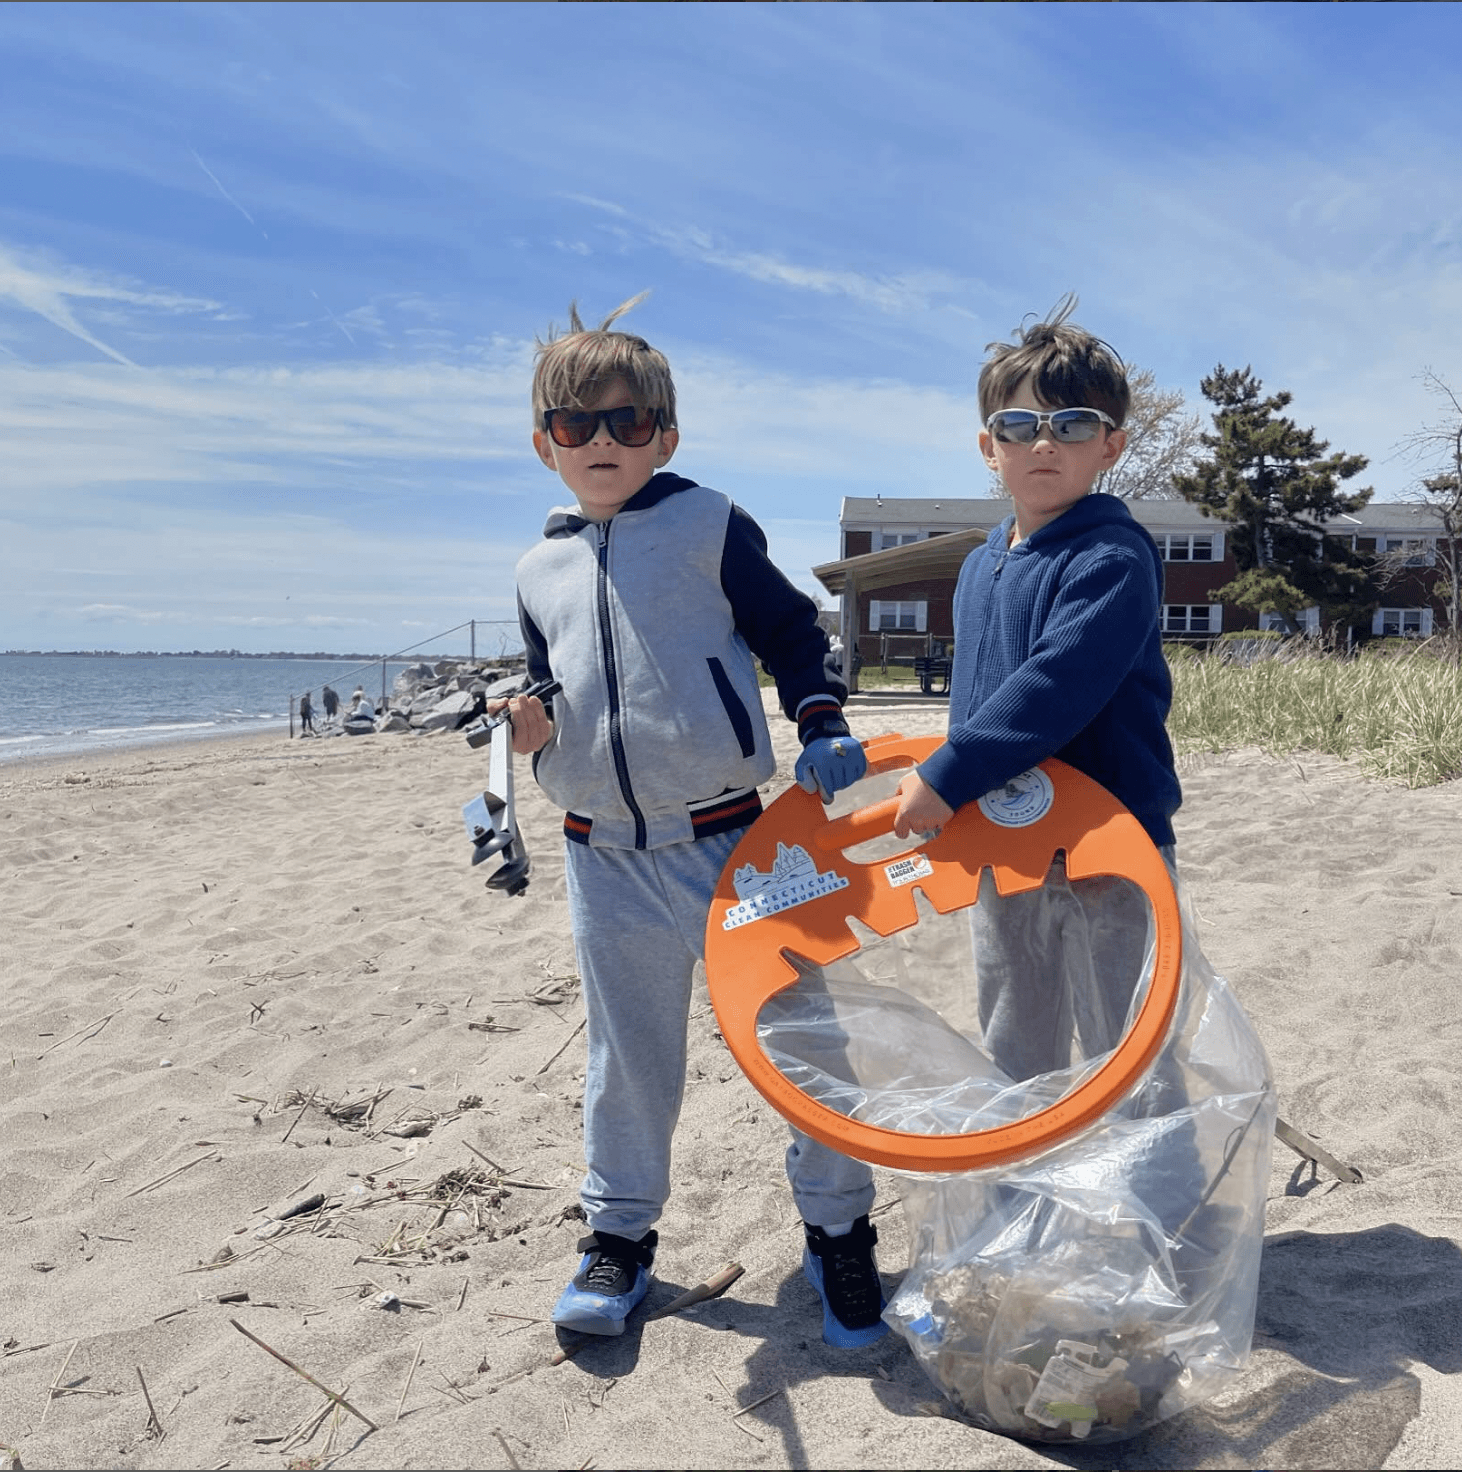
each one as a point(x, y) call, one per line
point(612, 1279)
point(845, 1275)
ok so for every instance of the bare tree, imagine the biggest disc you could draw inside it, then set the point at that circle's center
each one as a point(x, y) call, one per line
point(1162, 442)
point(1440, 487)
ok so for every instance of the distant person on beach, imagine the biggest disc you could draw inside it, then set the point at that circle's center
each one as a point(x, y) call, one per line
point(656, 753)
point(362, 705)
point(307, 715)
point(331, 701)
point(1057, 653)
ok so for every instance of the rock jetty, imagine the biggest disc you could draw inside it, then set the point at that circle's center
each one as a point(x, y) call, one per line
point(427, 697)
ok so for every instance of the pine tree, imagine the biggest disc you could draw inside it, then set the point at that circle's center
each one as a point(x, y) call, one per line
point(1276, 487)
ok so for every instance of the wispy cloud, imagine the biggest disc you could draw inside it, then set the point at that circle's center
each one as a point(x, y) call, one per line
point(218, 184)
point(902, 291)
point(897, 293)
point(113, 612)
point(49, 298)
point(40, 285)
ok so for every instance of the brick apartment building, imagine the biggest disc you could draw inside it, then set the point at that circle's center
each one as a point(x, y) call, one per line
point(900, 557)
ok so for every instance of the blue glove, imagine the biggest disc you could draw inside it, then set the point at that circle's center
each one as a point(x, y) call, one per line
point(830, 764)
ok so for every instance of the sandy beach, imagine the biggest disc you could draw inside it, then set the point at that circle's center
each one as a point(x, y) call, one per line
point(242, 975)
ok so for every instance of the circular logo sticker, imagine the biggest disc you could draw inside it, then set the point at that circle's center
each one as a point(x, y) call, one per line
point(1023, 800)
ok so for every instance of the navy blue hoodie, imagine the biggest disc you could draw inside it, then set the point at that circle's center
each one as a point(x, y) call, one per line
point(1058, 652)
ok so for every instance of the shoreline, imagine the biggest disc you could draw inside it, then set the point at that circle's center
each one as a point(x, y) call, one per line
point(112, 754)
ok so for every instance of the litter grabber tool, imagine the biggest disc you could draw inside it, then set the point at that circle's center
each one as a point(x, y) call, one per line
point(480, 734)
point(491, 818)
point(1084, 1186)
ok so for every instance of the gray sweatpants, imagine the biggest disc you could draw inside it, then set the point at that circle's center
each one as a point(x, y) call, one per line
point(1057, 964)
point(639, 918)
point(1058, 968)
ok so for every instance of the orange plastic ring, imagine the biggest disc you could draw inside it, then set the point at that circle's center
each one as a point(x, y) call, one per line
point(788, 887)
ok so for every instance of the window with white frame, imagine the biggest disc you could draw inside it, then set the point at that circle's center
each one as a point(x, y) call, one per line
point(1402, 623)
point(886, 616)
point(1190, 546)
point(1307, 621)
point(1192, 618)
point(896, 539)
point(1410, 551)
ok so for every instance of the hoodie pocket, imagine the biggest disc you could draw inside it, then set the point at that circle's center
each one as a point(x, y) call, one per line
point(736, 712)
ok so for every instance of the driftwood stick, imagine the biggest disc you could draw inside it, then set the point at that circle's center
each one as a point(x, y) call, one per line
point(305, 1375)
point(329, 1449)
point(307, 1426)
point(555, 1057)
point(411, 1374)
point(713, 1287)
point(101, 1021)
point(770, 1395)
point(507, 1450)
point(212, 1155)
point(154, 1422)
point(301, 1114)
point(60, 1374)
point(1304, 1146)
point(501, 1170)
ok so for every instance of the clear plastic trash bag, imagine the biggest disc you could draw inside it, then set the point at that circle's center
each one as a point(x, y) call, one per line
point(1093, 1290)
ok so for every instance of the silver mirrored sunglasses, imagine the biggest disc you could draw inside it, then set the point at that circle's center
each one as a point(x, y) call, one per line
point(1069, 426)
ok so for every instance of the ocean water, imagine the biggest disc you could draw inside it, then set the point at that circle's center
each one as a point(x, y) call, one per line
point(72, 704)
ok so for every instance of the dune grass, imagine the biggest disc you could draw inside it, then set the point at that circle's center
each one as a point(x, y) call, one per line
point(1399, 717)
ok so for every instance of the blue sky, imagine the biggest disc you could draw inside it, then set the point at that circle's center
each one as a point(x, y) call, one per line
point(270, 276)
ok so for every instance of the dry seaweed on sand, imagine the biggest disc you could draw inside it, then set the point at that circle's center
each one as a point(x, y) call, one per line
point(351, 1113)
point(457, 1200)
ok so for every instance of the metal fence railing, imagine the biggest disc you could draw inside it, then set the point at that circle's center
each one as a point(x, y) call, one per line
point(400, 657)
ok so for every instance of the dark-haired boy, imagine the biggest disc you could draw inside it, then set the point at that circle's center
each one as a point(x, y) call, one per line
point(650, 601)
point(1058, 653)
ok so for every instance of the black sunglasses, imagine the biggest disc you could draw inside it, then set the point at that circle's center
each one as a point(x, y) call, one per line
point(1068, 426)
point(628, 426)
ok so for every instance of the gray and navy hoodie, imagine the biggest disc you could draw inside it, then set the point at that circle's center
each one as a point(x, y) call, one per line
point(1058, 652)
point(653, 622)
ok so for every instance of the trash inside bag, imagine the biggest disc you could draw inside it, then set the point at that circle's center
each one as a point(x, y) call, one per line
point(1104, 1284)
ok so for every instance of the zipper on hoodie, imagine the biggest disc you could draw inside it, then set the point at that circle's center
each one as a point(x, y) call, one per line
point(984, 638)
point(611, 675)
